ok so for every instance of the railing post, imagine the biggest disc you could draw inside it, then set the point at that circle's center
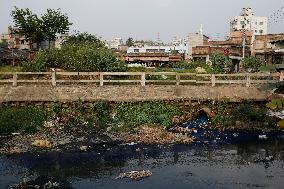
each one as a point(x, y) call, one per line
point(53, 78)
point(177, 79)
point(281, 76)
point(248, 81)
point(213, 80)
point(15, 77)
point(143, 79)
point(101, 79)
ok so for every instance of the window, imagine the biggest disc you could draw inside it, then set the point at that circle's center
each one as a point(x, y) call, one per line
point(255, 23)
point(260, 23)
point(136, 50)
point(261, 31)
point(255, 31)
point(242, 22)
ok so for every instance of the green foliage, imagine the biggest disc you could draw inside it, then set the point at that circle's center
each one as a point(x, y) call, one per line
point(130, 42)
point(89, 56)
point(82, 38)
point(29, 24)
point(54, 22)
point(252, 63)
point(220, 61)
point(103, 113)
point(134, 115)
point(4, 44)
point(97, 114)
point(245, 112)
point(249, 112)
point(276, 104)
point(223, 116)
point(137, 69)
point(189, 65)
point(24, 119)
point(267, 68)
point(37, 29)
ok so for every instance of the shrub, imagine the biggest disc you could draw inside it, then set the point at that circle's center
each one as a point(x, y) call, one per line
point(24, 119)
point(250, 112)
point(103, 113)
point(252, 63)
point(220, 61)
point(267, 68)
point(190, 65)
point(223, 116)
point(87, 55)
point(134, 115)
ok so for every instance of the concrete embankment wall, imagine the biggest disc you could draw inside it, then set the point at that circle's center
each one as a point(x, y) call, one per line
point(129, 93)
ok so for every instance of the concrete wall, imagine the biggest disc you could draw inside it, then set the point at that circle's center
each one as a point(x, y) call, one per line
point(194, 39)
point(128, 93)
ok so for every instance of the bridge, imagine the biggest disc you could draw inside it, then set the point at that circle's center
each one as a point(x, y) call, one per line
point(133, 86)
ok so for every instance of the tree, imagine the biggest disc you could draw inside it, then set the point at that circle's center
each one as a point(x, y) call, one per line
point(252, 63)
point(29, 25)
point(37, 29)
point(54, 22)
point(221, 61)
point(130, 42)
point(76, 55)
point(80, 38)
point(4, 44)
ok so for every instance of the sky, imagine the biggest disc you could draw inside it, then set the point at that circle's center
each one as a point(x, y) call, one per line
point(144, 19)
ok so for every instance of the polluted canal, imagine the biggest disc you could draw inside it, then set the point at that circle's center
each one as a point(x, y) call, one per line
point(217, 160)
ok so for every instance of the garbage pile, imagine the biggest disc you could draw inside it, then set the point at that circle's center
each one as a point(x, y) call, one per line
point(135, 175)
point(200, 129)
point(158, 135)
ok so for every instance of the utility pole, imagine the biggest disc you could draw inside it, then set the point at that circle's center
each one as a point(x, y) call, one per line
point(244, 43)
point(159, 41)
point(12, 48)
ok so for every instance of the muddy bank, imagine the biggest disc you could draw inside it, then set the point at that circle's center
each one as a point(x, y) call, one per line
point(62, 139)
point(85, 127)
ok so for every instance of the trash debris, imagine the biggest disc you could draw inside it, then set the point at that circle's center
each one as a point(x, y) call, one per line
point(279, 115)
point(280, 124)
point(200, 70)
point(132, 144)
point(16, 134)
point(157, 135)
point(42, 143)
point(85, 148)
point(135, 175)
point(262, 137)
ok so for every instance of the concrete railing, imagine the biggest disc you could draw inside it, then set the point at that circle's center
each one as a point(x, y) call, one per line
point(141, 78)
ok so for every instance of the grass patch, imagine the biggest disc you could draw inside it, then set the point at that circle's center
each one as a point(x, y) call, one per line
point(21, 119)
point(11, 69)
point(133, 115)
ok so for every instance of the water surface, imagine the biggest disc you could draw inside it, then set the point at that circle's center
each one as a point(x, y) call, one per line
point(255, 164)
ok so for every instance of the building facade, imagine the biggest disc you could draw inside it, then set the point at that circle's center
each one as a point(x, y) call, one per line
point(181, 49)
point(114, 43)
point(248, 21)
point(15, 40)
point(194, 40)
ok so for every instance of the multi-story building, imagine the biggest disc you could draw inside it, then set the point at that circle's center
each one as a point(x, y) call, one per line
point(194, 40)
point(15, 40)
point(181, 49)
point(18, 41)
point(248, 21)
point(114, 43)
